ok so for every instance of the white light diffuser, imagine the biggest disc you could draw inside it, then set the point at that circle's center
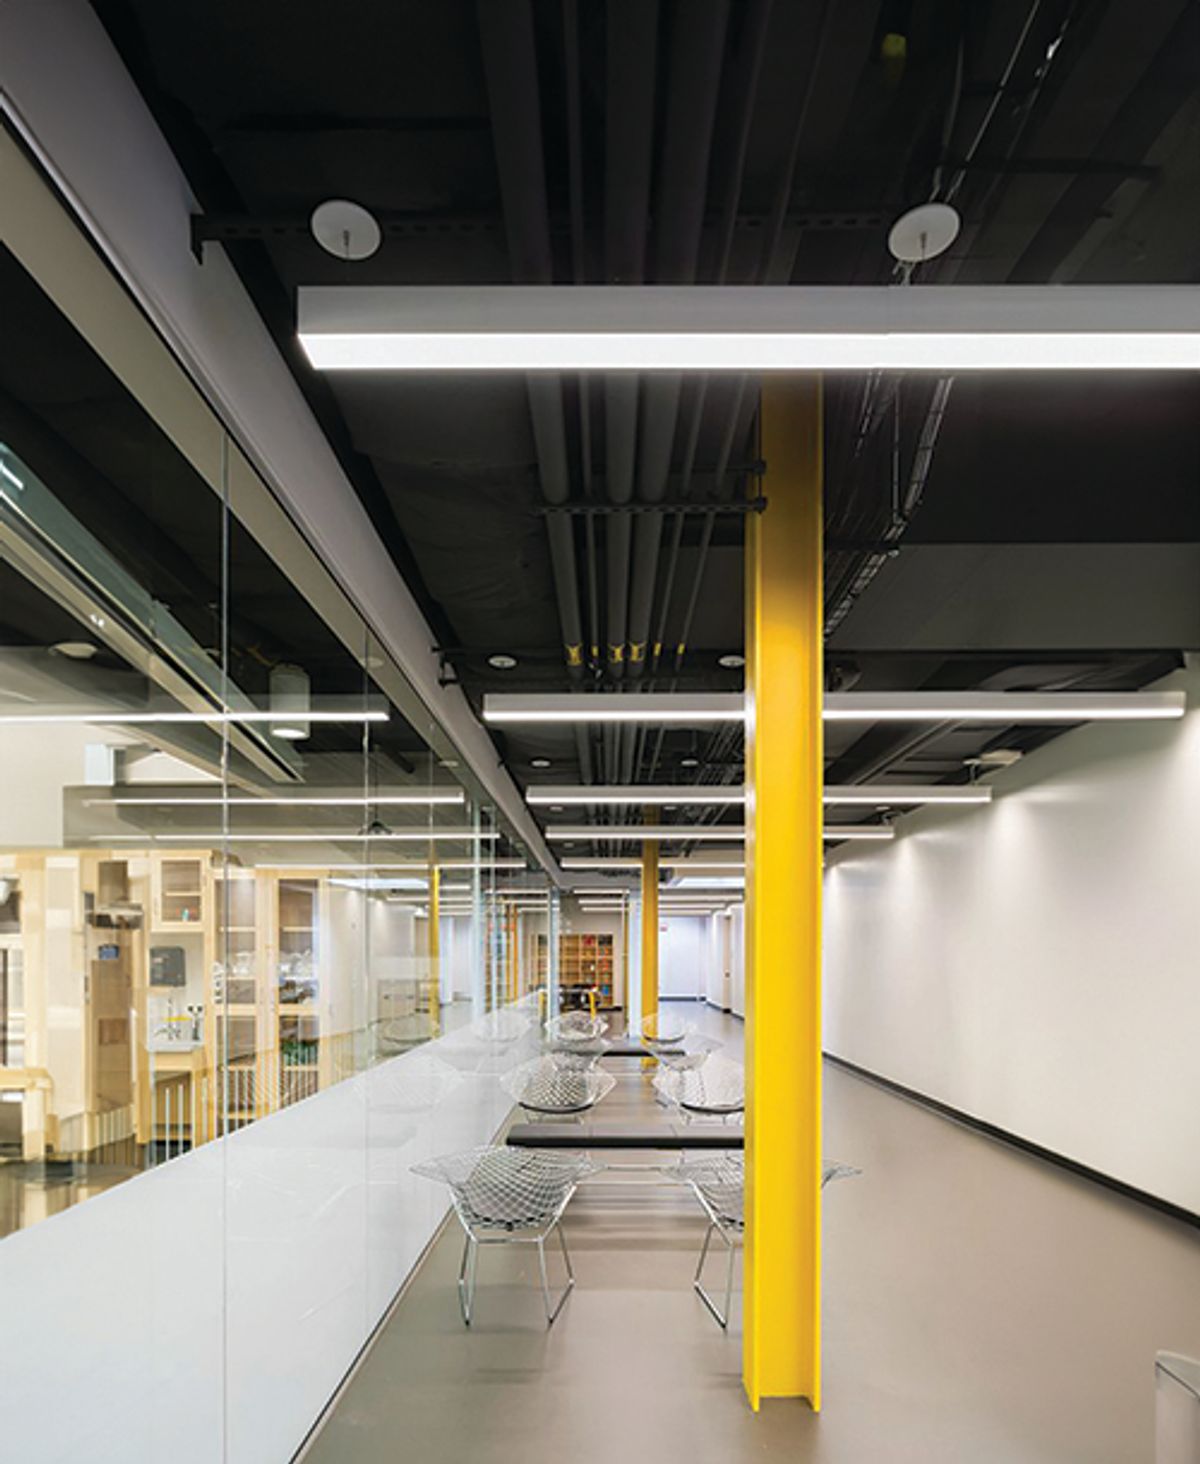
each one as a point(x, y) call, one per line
point(484, 864)
point(833, 832)
point(115, 717)
point(389, 800)
point(615, 863)
point(879, 795)
point(750, 328)
point(676, 833)
point(998, 707)
point(422, 836)
point(1003, 707)
point(602, 796)
point(872, 795)
point(658, 707)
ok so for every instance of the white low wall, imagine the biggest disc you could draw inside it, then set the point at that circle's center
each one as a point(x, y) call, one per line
point(1034, 962)
point(207, 1309)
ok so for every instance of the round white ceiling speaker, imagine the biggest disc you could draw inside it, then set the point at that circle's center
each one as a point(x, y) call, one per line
point(345, 229)
point(924, 232)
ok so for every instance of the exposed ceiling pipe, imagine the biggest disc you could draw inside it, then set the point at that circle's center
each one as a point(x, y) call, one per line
point(697, 54)
point(861, 570)
point(752, 49)
point(632, 58)
point(774, 265)
point(510, 66)
point(579, 275)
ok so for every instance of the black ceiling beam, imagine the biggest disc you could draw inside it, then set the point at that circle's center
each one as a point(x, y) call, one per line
point(1102, 167)
point(664, 505)
point(228, 228)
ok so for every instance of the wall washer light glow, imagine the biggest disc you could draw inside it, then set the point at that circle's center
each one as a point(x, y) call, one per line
point(750, 328)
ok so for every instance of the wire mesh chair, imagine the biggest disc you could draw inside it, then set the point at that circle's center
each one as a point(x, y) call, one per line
point(663, 1029)
point(719, 1182)
point(547, 1089)
point(573, 1027)
point(715, 1088)
point(509, 1196)
point(578, 1056)
point(502, 1026)
point(690, 1051)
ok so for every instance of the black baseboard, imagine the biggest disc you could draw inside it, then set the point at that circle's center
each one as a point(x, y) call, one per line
point(1014, 1141)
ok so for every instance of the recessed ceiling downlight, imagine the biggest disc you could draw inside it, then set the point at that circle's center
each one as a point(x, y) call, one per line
point(541, 763)
point(502, 662)
point(345, 230)
point(732, 662)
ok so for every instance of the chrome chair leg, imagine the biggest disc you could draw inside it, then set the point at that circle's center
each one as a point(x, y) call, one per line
point(721, 1318)
point(467, 1271)
point(553, 1309)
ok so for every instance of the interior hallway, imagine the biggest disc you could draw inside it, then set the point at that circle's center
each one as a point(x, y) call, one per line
point(979, 1305)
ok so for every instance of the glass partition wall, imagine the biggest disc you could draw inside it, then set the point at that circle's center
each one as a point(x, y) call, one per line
point(256, 915)
point(238, 864)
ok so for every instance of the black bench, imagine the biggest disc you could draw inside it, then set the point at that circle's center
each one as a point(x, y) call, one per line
point(623, 1136)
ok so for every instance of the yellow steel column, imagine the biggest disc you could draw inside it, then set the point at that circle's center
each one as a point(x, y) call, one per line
point(784, 685)
point(435, 949)
point(649, 927)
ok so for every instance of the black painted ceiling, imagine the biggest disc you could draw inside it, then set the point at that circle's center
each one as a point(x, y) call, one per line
point(701, 140)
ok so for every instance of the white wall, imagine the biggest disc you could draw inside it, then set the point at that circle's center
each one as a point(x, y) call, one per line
point(683, 956)
point(737, 961)
point(36, 764)
point(1034, 962)
point(718, 990)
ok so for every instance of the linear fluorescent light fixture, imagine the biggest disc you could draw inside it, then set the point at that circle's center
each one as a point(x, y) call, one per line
point(390, 800)
point(879, 795)
point(117, 717)
point(1004, 707)
point(602, 796)
point(676, 833)
point(1000, 707)
point(750, 328)
point(347, 836)
point(483, 865)
point(833, 832)
point(602, 863)
point(871, 795)
point(688, 710)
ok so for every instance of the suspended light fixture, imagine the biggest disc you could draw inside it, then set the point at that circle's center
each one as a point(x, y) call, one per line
point(291, 701)
point(752, 328)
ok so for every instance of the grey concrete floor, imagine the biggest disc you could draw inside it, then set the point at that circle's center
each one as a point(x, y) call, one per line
point(979, 1306)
